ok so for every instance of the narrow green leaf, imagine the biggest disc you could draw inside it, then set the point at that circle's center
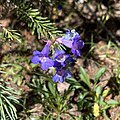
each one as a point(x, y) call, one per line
point(33, 28)
point(46, 94)
point(74, 83)
point(52, 88)
point(113, 102)
point(13, 112)
point(7, 111)
point(2, 110)
point(84, 76)
point(34, 10)
point(39, 31)
point(33, 14)
point(99, 74)
point(98, 91)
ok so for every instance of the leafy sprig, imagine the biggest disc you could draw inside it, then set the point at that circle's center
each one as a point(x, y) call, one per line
point(38, 24)
point(7, 101)
point(8, 34)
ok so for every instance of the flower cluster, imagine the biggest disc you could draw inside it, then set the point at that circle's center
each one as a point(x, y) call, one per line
point(60, 59)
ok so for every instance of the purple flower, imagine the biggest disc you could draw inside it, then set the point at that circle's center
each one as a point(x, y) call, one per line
point(60, 56)
point(77, 45)
point(60, 75)
point(43, 58)
point(67, 39)
point(57, 65)
point(72, 40)
point(69, 61)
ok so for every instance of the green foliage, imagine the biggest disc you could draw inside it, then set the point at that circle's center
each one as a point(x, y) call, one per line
point(39, 25)
point(91, 98)
point(11, 35)
point(51, 99)
point(84, 76)
point(13, 70)
point(25, 12)
point(99, 74)
point(7, 101)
